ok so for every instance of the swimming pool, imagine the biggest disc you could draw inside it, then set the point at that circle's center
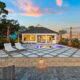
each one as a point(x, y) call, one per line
point(48, 46)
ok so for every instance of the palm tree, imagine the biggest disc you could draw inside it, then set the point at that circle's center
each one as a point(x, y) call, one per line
point(61, 32)
point(70, 37)
point(70, 33)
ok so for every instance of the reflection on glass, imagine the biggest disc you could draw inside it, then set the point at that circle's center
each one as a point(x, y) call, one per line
point(29, 37)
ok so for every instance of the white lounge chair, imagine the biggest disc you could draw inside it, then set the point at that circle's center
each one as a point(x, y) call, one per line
point(19, 46)
point(8, 47)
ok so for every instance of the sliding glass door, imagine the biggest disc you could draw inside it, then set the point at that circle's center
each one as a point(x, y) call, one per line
point(41, 38)
point(45, 39)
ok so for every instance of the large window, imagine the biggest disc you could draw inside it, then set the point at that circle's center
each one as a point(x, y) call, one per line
point(29, 37)
point(50, 38)
point(41, 38)
point(45, 38)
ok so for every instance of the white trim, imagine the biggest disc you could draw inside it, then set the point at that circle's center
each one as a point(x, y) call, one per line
point(53, 42)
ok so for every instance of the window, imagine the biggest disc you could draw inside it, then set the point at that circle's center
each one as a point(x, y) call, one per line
point(29, 37)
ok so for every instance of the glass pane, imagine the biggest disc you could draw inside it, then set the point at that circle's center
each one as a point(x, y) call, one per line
point(49, 38)
point(29, 37)
point(41, 38)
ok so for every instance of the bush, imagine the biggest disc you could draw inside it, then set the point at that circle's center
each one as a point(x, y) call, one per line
point(12, 41)
point(2, 41)
point(75, 43)
point(64, 41)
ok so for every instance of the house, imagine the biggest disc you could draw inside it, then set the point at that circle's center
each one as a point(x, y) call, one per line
point(39, 35)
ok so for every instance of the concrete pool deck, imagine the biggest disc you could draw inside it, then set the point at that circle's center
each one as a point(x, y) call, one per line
point(32, 52)
point(52, 57)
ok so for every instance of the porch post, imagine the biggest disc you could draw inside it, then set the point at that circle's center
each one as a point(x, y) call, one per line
point(22, 38)
point(46, 38)
point(36, 38)
point(55, 38)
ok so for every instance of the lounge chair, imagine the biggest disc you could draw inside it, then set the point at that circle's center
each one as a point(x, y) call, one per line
point(19, 46)
point(8, 47)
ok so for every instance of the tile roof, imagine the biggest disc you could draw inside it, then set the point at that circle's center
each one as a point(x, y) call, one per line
point(40, 30)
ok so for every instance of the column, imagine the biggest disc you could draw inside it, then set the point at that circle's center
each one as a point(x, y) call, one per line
point(22, 38)
point(46, 39)
point(36, 38)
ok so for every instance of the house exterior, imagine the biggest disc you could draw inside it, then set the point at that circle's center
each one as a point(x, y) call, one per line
point(40, 35)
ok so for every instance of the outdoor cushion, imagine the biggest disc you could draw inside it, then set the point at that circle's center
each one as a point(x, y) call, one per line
point(8, 47)
point(19, 46)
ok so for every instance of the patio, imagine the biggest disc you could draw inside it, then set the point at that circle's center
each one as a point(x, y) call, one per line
point(33, 52)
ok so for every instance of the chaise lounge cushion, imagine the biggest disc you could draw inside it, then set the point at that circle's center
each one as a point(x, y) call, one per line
point(19, 46)
point(8, 47)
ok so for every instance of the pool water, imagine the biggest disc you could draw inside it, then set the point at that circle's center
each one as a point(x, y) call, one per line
point(59, 46)
point(49, 46)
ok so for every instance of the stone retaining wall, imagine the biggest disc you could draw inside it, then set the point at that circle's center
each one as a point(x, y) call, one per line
point(32, 62)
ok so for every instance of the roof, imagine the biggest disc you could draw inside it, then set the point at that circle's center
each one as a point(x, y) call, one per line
point(40, 30)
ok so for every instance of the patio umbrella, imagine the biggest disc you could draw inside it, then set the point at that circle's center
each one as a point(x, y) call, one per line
point(14, 36)
point(8, 34)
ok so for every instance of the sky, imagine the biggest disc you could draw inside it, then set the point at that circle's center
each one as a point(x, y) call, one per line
point(54, 14)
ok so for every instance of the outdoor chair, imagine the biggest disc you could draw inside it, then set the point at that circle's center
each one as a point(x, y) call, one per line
point(19, 46)
point(8, 47)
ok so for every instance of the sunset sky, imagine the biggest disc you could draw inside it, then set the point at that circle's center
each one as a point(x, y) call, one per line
point(53, 14)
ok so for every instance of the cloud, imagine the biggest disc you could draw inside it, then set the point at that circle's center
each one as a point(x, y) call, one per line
point(11, 10)
point(28, 8)
point(59, 2)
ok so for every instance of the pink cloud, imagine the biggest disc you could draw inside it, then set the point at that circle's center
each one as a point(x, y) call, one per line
point(59, 2)
point(29, 9)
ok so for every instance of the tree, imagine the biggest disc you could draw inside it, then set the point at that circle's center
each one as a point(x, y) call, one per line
point(5, 23)
point(30, 27)
point(2, 8)
point(61, 32)
point(75, 43)
point(70, 37)
point(22, 29)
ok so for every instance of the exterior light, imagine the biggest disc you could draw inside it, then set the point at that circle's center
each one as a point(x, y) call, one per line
point(41, 61)
point(41, 64)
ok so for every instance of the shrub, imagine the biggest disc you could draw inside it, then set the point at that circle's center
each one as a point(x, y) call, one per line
point(2, 41)
point(12, 41)
point(75, 43)
point(63, 41)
